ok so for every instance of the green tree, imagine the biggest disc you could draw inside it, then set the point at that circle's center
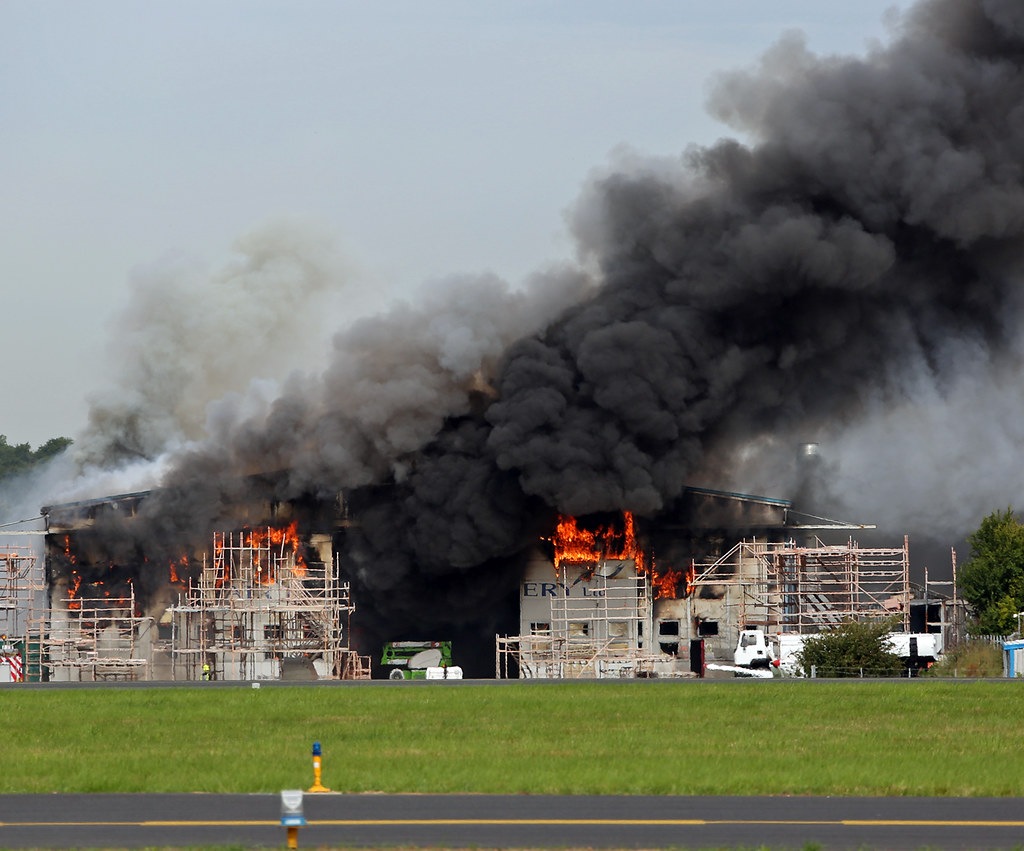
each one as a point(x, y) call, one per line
point(21, 457)
point(993, 580)
point(852, 649)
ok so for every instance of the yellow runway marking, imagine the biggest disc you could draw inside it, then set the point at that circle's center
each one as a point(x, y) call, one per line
point(568, 822)
point(930, 823)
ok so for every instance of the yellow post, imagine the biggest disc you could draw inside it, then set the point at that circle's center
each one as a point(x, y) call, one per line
point(293, 837)
point(317, 785)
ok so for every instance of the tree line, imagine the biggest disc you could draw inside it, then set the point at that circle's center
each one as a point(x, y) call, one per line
point(21, 457)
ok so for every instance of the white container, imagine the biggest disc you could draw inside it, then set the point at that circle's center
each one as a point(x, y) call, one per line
point(452, 673)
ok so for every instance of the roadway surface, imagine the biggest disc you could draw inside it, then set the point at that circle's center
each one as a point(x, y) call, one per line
point(506, 821)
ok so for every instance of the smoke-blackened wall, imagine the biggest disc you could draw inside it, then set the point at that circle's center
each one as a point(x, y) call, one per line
point(859, 254)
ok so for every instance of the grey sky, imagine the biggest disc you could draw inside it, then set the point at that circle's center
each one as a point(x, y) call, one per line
point(426, 138)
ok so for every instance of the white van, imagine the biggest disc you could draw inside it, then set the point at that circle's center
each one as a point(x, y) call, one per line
point(752, 650)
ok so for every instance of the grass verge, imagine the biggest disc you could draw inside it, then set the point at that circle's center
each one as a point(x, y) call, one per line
point(648, 737)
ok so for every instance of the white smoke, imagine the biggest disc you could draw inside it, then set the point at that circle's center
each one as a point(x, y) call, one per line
point(938, 461)
point(188, 336)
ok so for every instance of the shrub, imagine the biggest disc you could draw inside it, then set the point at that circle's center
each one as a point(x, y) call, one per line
point(970, 659)
point(851, 649)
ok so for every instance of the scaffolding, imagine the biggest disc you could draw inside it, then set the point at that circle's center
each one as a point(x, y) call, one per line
point(256, 610)
point(21, 583)
point(596, 634)
point(259, 611)
point(82, 639)
point(944, 612)
point(784, 588)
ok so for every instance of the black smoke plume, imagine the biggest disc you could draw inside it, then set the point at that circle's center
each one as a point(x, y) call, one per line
point(862, 250)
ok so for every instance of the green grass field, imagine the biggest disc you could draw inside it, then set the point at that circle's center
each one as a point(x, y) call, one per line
point(632, 737)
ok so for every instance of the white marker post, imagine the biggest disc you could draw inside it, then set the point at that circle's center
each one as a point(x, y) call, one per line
point(291, 814)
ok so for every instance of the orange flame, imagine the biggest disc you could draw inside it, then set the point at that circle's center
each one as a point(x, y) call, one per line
point(582, 547)
point(666, 585)
point(72, 602)
point(67, 550)
point(281, 538)
point(673, 584)
point(265, 561)
point(220, 566)
point(574, 545)
point(182, 562)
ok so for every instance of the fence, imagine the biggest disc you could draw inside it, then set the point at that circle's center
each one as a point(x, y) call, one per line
point(862, 673)
point(989, 639)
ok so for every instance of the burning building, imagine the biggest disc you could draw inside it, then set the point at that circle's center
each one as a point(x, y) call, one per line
point(602, 595)
point(852, 265)
point(584, 611)
point(606, 594)
point(604, 604)
point(258, 602)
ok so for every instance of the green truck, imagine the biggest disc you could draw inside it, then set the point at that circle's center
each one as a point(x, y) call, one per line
point(409, 660)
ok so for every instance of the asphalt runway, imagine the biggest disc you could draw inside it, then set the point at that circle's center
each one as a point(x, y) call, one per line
point(511, 821)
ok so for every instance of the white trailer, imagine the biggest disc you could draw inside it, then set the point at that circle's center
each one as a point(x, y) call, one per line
point(918, 650)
